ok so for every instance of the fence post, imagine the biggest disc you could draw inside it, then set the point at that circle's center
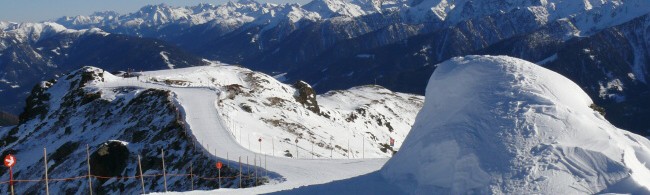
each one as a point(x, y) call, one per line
point(273, 145)
point(90, 182)
point(47, 185)
point(240, 172)
point(164, 171)
point(255, 168)
point(192, 176)
point(141, 176)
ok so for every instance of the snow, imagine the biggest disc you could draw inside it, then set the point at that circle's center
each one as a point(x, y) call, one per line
point(164, 54)
point(217, 122)
point(512, 127)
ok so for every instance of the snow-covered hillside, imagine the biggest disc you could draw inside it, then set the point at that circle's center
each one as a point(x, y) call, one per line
point(494, 125)
point(501, 125)
point(256, 105)
point(200, 115)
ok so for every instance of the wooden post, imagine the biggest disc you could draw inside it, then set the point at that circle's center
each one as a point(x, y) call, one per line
point(164, 171)
point(240, 172)
point(47, 185)
point(90, 182)
point(141, 176)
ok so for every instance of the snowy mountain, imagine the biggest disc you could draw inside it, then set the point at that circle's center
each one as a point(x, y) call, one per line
point(510, 126)
point(200, 115)
point(32, 52)
point(501, 125)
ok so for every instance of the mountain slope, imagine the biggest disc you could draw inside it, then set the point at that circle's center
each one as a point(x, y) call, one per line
point(32, 52)
point(194, 115)
point(510, 126)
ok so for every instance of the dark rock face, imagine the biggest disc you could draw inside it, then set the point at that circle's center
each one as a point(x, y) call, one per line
point(109, 159)
point(36, 103)
point(306, 96)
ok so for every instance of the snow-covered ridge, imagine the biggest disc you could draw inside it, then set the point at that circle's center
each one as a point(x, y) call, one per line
point(500, 125)
point(257, 105)
point(589, 16)
point(222, 110)
point(33, 32)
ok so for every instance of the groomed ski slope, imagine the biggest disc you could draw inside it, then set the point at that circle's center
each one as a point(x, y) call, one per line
point(203, 118)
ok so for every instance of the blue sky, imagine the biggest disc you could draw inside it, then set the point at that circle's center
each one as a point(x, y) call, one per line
point(40, 10)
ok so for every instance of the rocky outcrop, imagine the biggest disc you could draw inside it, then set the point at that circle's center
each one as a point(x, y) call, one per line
point(306, 96)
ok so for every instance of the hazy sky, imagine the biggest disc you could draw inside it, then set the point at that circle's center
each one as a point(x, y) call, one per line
point(40, 10)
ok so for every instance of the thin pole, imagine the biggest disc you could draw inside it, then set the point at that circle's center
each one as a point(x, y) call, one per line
point(296, 150)
point(219, 178)
point(164, 171)
point(11, 179)
point(47, 185)
point(240, 172)
point(266, 171)
point(90, 182)
point(255, 169)
point(192, 176)
point(273, 145)
point(260, 146)
point(141, 176)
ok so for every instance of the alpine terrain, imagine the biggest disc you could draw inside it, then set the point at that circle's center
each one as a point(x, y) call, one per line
point(198, 116)
point(327, 97)
point(501, 125)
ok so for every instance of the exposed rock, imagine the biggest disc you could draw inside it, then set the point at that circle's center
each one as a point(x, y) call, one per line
point(306, 96)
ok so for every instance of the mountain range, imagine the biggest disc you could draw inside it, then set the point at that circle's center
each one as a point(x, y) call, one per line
point(337, 44)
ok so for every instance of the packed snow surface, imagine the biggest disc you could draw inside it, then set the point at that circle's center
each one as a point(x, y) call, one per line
point(229, 108)
point(500, 125)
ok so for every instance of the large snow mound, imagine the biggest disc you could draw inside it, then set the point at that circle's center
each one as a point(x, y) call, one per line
point(494, 124)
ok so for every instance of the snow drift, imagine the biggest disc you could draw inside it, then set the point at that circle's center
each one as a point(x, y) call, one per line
point(493, 125)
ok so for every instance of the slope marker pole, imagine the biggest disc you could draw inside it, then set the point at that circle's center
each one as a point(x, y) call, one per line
point(47, 186)
point(163, 166)
point(141, 177)
point(240, 172)
point(273, 145)
point(90, 182)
